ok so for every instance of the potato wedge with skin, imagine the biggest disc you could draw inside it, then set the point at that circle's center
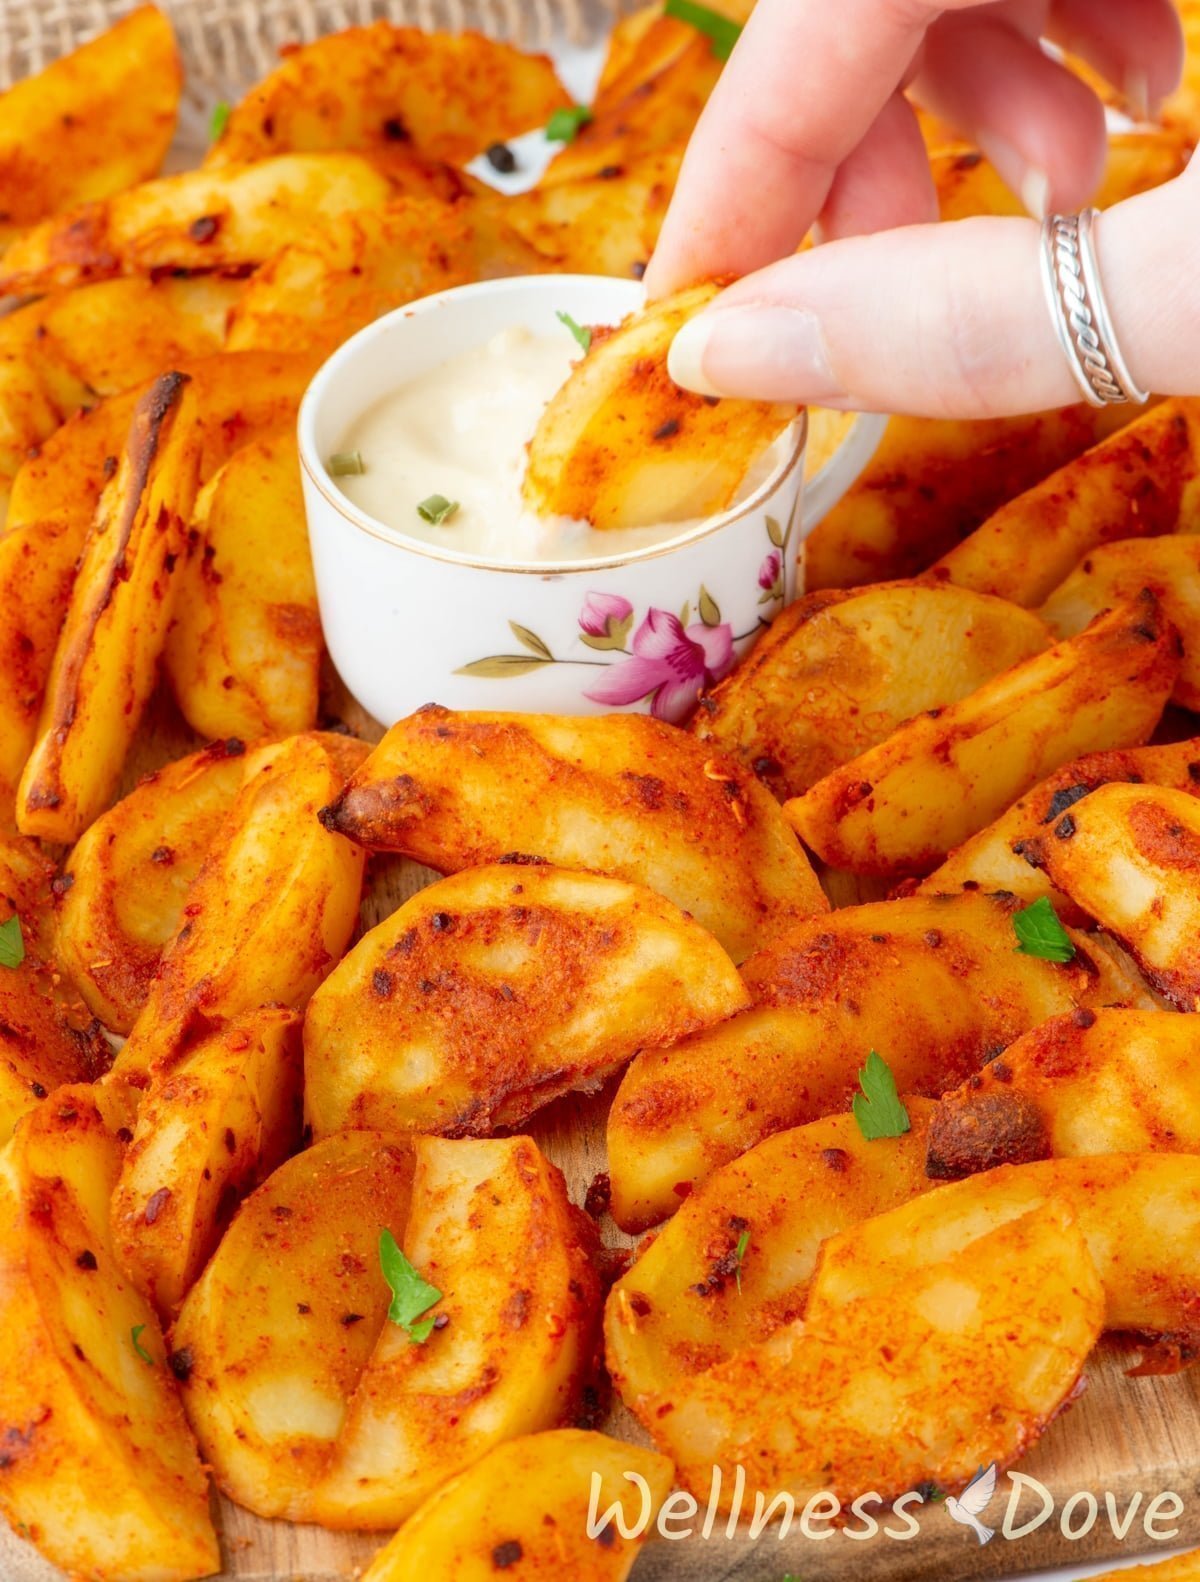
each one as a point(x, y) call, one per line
point(226, 219)
point(934, 984)
point(836, 673)
point(488, 994)
point(945, 1367)
point(99, 1467)
point(531, 1502)
point(127, 81)
point(620, 794)
point(1093, 1082)
point(902, 806)
point(621, 444)
point(214, 1122)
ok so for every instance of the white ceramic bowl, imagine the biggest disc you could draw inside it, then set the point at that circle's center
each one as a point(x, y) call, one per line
point(408, 622)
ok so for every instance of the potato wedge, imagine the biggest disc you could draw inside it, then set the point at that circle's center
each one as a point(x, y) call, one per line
point(214, 1122)
point(385, 88)
point(645, 42)
point(127, 82)
point(621, 794)
point(903, 805)
point(1140, 482)
point(934, 984)
point(1183, 1568)
point(1182, 108)
point(270, 911)
point(489, 994)
point(225, 219)
point(621, 444)
point(530, 1502)
point(836, 673)
point(945, 1367)
point(243, 655)
point(99, 1467)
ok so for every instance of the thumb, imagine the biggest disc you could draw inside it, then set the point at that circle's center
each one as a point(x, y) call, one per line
point(951, 320)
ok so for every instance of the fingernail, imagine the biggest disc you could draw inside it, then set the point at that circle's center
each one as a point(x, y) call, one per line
point(1137, 95)
point(1030, 183)
point(759, 352)
point(1035, 192)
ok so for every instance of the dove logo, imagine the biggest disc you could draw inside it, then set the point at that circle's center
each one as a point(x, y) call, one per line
point(972, 1503)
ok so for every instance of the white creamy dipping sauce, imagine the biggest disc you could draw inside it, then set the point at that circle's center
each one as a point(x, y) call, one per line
point(461, 431)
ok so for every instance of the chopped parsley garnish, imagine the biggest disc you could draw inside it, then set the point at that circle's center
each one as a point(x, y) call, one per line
point(743, 1243)
point(346, 463)
point(722, 32)
point(878, 1109)
point(437, 509)
point(564, 125)
point(12, 942)
point(220, 119)
point(1041, 934)
point(412, 1297)
point(135, 1335)
point(580, 331)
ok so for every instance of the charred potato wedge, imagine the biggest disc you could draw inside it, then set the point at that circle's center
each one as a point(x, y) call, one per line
point(902, 806)
point(837, 673)
point(489, 994)
point(528, 1501)
point(100, 1468)
point(621, 794)
point(621, 444)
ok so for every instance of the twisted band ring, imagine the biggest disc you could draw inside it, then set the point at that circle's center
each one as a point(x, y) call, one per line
point(1079, 311)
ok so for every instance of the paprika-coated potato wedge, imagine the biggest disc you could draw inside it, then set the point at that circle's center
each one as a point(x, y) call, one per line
point(903, 805)
point(836, 673)
point(491, 1228)
point(488, 994)
point(381, 88)
point(271, 909)
point(224, 219)
point(101, 1471)
point(1116, 573)
point(945, 1367)
point(531, 1503)
point(645, 42)
point(214, 1122)
point(124, 883)
point(1094, 1082)
point(1140, 482)
point(106, 663)
point(934, 984)
point(1128, 856)
point(243, 656)
point(621, 445)
point(93, 123)
point(1183, 1568)
point(621, 794)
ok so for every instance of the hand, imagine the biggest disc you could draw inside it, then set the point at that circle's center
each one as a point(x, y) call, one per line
point(808, 125)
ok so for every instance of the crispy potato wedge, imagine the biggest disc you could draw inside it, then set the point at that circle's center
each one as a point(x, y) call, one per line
point(271, 909)
point(381, 88)
point(214, 1122)
point(1093, 1082)
point(489, 994)
point(99, 1467)
point(645, 42)
point(531, 1501)
point(244, 653)
point(621, 444)
point(946, 1366)
point(1128, 856)
point(836, 673)
point(934, 984)
point(1183, 1568)
point(225, 219)
point(1140, 482)
point(621, 794)
point(903, 805)
point(52, 154)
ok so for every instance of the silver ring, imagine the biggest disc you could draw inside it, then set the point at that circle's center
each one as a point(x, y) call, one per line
point(1080, 313)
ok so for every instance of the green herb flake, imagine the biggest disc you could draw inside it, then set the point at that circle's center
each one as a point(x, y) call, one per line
point(743, 1242)
point(722, 32)
point(347, 463)
point(135, 1335)
point(437, 509)
point(12, 942)
point(580, 331)
point(1040, 933)
point(412, 1297)
point(878, 1109)
point(564, 126)
point(220, 119)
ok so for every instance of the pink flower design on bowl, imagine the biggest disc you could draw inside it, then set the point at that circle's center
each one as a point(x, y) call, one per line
point(669, 664)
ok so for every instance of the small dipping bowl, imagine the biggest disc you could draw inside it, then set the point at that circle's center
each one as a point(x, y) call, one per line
point(408, 622)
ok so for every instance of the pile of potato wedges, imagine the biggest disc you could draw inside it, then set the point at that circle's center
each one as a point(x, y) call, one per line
point(867, 984)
